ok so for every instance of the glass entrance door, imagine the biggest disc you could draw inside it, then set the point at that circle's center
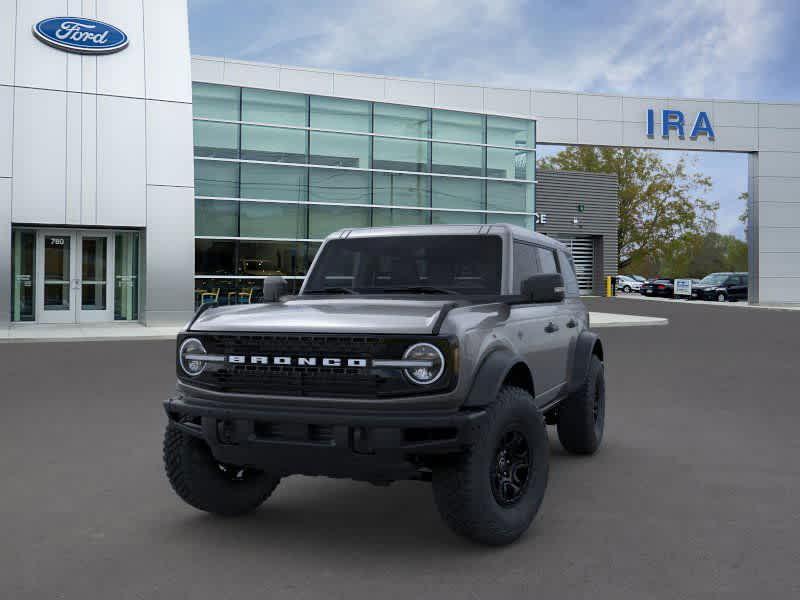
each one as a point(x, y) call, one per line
point(55, 274)
point(73, 274)
point(94, 302)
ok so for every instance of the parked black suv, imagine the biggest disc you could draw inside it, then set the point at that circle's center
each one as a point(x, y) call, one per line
point(664, 288)
point(721, 287)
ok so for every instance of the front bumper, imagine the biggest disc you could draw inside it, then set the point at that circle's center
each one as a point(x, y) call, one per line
point(368, 445)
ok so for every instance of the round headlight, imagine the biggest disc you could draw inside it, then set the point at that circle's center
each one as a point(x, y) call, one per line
point(190, 355)
point(433, 366)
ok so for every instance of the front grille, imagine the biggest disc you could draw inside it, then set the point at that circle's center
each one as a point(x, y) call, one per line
point(293, 380)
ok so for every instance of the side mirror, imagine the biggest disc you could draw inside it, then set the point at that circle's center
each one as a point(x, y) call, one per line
point(275, 286)
point(543, 287)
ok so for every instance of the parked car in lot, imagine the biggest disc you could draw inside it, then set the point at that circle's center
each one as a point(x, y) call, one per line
point(722, 287)
point(628, 284)
point(663, 288)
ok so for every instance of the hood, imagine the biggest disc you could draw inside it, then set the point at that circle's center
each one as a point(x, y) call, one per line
point(328, 315)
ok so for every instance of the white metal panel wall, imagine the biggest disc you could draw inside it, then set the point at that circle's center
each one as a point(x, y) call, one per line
point(167, 58)
point(6, 128)
point(169, 144)
point(36, 64)
point(5, 248)
point(8, 24)
point(169, 254)
point(39, 156)
point(121, 73)
point(73, 131)
point(121, 160)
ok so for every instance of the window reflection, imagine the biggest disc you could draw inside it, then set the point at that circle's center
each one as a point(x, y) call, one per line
point(219, 140)
point(280, 108)
point(215, 101)
point(446, 166)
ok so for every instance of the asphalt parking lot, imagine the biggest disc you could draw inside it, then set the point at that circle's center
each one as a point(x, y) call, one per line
point(693, 495)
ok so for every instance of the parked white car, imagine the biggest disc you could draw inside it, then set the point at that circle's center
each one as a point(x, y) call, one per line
point(627, 284)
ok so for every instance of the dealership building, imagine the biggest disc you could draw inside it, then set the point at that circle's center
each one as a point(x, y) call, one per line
point(137, 181)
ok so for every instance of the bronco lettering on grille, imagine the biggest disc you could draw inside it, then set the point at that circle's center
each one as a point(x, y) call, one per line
point(298, 361)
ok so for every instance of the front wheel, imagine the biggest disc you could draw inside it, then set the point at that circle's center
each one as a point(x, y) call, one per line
point(204, 483)
point(721, 297)
point(492, 492)
point(627, 289)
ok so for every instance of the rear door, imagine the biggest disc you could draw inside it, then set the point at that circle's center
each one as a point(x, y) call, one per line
point(540, 331)
point(739, 287)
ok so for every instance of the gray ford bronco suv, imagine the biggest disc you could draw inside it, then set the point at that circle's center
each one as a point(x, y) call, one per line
point(436, 353)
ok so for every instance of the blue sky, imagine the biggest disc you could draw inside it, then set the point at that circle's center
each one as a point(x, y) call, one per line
point(740, 49)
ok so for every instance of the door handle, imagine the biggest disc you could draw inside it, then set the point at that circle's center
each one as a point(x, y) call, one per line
point(551, 327)
point(572, 323)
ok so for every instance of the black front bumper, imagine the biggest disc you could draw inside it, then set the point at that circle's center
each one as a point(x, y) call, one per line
point(368, 445)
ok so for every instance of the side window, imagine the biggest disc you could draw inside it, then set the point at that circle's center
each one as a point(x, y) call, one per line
point(547, 260)
point(525, 263)
point(568, 271)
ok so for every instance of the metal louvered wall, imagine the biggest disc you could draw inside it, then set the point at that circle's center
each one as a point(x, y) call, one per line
point(583, 255)
point(594, 237)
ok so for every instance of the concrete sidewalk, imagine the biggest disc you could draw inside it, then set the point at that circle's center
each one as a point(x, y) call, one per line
point(87, 332)
point(137, 331)
point(737, 304)
point(603, 319)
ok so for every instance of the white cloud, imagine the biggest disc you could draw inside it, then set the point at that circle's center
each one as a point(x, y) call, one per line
point(687, 47)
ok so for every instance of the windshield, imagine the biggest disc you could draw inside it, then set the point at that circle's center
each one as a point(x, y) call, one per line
point(714, 279)
point(463, 264)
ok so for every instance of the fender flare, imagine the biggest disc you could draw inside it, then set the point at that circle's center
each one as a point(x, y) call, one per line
point(588, 344)
point(490, 376)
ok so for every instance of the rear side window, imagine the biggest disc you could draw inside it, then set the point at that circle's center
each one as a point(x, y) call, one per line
point(526, 263)
point(547, 260)
point(568, 272)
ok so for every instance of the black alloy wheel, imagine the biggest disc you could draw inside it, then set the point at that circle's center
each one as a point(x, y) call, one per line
point(511, 468)
point(234, 473)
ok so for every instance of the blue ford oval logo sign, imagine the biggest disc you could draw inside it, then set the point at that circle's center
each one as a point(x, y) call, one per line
point(76, 34)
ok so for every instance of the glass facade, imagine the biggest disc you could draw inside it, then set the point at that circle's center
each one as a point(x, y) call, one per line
point(275, 172)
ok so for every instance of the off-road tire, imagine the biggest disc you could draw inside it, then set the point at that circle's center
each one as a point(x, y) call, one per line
point(581, 417)
point(203, 483)
point(462, 485)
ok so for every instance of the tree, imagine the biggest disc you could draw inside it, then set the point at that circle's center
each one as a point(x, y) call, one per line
point(659, 202)
point(745, 216)
point(695, 255)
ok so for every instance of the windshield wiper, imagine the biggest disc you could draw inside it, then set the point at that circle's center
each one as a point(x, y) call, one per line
point(332, 290)
point(418, 289)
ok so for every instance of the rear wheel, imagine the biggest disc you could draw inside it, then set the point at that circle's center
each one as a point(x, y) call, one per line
point(206, 484)
point(492, 492)
point(581, 417)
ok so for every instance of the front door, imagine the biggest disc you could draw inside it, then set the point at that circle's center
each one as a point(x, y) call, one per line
point(73, 272)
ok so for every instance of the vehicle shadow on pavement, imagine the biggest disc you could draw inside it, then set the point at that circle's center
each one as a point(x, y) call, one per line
point(343, 516)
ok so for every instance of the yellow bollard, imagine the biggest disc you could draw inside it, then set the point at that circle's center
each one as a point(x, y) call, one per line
point(608, 287)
